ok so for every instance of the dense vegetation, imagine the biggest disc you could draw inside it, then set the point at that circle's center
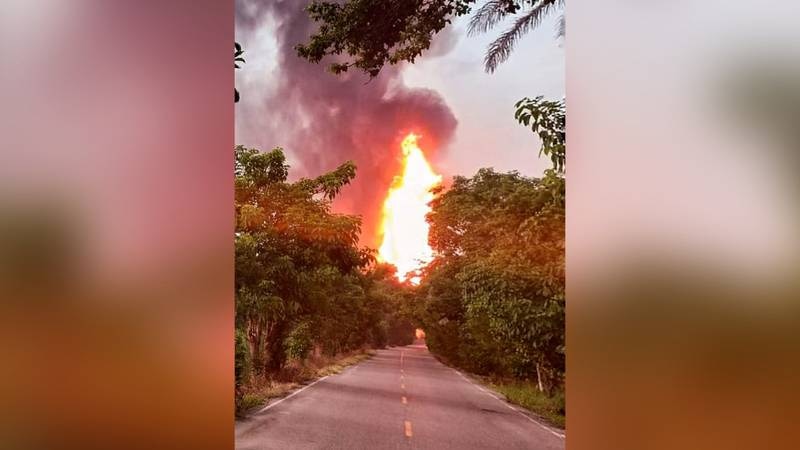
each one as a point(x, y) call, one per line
point(303, 285)
point(492, 301)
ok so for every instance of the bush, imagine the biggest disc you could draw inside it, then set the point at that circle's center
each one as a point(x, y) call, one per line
point(299, 342)
point(380, 334)
point(250, 401)
point(401, 332)
point(242, 360)
point(527, 394)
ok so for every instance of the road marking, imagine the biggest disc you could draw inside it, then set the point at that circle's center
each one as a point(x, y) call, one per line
point(290, 395)
point(404, 400)
point(408, 428)
point(518, 411)
point(401, 377)
point(402, 385)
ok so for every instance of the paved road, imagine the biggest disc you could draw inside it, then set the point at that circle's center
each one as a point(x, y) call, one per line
point(402, 398)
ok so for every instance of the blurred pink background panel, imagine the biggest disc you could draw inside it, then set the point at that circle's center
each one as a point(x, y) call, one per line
point(682, 224)
point(117, 137)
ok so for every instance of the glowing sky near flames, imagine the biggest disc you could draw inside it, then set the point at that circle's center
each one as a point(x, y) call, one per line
point(403, 227)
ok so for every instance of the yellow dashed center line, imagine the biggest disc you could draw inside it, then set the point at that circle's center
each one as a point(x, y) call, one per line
point(403, 399)
point(408, 428)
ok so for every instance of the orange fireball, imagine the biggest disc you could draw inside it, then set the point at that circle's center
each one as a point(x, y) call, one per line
point(403, 227)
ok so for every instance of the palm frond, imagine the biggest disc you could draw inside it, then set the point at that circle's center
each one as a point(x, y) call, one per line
point(486, 17)
point(501, 48)
point(561, 27)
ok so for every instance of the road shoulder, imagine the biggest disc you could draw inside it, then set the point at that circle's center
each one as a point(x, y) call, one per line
point(484, 384)
point(261, 398)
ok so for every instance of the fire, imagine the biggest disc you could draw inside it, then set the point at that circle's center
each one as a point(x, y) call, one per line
point(403, 225)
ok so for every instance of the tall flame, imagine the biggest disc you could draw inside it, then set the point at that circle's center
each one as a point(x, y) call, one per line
point(403, 225)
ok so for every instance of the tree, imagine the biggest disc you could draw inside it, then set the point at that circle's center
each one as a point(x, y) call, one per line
point(301, 280)
point(289, 248)
point(494, 293)
point(373, 33)
point(529, 16)
point(548, 119)
point(237, 58)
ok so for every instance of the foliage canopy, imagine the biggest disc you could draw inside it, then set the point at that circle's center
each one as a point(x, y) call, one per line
point(237, 59)
point(493, 298)
point(374, 33)
point(548, 120)
point(302, 282)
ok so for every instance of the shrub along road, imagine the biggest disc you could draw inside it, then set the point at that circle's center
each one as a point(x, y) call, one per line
point(400, 398)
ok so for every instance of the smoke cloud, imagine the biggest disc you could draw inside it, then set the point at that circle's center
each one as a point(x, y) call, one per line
point(322, 119)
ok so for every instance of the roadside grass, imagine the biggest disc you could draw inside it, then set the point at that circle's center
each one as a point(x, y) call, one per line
point(551, 408)
point(250, 401)
point(341, 364)
point(261, 389)
point(526, 394)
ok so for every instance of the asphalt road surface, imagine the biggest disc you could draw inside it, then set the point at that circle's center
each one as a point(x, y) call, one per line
point(400, 398)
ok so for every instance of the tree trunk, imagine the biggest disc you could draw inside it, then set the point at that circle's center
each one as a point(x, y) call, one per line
point(539, 377)
point(255, 338)
point(276, 356)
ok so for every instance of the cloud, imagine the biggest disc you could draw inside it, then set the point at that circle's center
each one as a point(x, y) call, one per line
point(323, 119)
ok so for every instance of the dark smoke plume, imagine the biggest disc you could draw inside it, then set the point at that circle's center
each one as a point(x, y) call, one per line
point(323, 119)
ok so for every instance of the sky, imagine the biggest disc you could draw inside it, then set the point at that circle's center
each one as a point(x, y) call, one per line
point(464, 115)
point(486, 135)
